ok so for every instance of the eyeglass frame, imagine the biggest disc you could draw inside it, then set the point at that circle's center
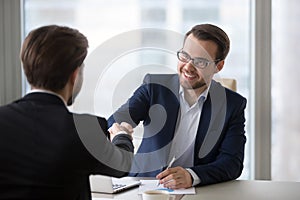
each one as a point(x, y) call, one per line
point(207, 62)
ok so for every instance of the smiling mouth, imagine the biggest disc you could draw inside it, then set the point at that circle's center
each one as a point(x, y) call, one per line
point(189, 76)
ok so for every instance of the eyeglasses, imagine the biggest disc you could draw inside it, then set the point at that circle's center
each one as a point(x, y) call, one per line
point(197, 62)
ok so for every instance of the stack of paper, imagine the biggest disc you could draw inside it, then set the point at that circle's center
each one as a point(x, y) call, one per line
point(152, 185)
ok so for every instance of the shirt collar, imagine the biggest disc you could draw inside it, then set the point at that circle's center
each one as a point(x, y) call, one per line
point(48, 92)
point(202, 96)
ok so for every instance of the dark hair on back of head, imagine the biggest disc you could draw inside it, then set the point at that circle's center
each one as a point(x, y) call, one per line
point(50, 54)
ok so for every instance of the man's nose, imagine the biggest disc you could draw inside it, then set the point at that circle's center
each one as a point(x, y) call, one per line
point(190, 66)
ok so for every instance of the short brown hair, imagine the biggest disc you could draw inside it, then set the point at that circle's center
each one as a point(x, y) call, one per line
point(50, 54)
point(212, 33)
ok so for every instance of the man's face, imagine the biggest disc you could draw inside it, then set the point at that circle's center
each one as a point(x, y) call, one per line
point(191, 77)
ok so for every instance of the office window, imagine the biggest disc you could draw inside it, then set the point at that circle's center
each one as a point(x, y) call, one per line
point(285, 91)
point(104, 22)
point(155, 14)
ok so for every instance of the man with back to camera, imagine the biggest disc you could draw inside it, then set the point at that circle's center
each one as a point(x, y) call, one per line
point(41, 152)
point(193, 126)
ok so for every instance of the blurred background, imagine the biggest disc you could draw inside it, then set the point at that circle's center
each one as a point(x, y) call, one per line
point(263, 60)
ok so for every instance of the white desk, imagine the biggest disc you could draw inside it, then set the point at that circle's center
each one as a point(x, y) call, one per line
point(238, 189)
point(248, 190)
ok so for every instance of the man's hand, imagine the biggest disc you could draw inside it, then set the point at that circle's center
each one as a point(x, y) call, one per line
point(116, 129)
point(175, 178)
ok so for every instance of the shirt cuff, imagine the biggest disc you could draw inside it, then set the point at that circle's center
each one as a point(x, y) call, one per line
point(196, 180)
point(124, 132)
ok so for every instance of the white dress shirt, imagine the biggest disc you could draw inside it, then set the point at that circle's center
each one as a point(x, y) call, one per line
point(183, 143)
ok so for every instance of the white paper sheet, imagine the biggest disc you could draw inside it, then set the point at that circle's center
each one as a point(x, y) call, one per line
point(96, 198)
point(152, 185)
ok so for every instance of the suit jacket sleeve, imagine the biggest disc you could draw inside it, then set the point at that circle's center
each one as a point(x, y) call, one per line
point(135, 109)
point(99, 155)
point(227, 164)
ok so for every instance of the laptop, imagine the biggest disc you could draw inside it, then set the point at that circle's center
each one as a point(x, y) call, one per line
point(107, 184)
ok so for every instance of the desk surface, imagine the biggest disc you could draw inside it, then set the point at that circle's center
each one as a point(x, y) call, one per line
point(238, 189)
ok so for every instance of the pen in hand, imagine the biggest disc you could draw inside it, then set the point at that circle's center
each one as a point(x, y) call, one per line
point(169, 165)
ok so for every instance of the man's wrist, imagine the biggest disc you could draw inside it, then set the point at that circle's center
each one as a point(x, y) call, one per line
point(195, 179)
point(124, 132)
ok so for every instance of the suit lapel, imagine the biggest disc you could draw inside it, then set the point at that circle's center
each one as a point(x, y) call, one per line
point(212, 120)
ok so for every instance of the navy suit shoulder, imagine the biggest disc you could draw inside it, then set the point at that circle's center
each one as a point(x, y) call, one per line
point(155, 89)
point(160, 78)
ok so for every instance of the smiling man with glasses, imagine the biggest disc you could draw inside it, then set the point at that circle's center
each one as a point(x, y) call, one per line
point(189, 118)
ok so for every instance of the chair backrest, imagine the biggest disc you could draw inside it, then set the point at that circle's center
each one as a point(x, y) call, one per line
point(229, 83)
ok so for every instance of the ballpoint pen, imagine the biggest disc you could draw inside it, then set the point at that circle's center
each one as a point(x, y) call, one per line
point(169, 165)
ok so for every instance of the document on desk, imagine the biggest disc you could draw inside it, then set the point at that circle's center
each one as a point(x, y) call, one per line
point(152, 185)
point(96, 198)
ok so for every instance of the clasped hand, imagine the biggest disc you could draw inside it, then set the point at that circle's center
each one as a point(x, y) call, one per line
point(116, 129)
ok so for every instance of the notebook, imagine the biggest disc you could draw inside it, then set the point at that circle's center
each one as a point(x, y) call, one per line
point(107, 184)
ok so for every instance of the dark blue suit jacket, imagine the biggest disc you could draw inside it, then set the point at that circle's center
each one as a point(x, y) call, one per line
point(220, 140)
point(42, 155)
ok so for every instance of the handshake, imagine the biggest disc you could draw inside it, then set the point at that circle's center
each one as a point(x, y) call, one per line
point(123, 128)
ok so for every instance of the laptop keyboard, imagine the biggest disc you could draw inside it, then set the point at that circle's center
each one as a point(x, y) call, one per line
point(117, 186)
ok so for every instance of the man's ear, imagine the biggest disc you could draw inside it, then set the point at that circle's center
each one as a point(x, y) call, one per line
point(219, 66)
point(74, 75)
